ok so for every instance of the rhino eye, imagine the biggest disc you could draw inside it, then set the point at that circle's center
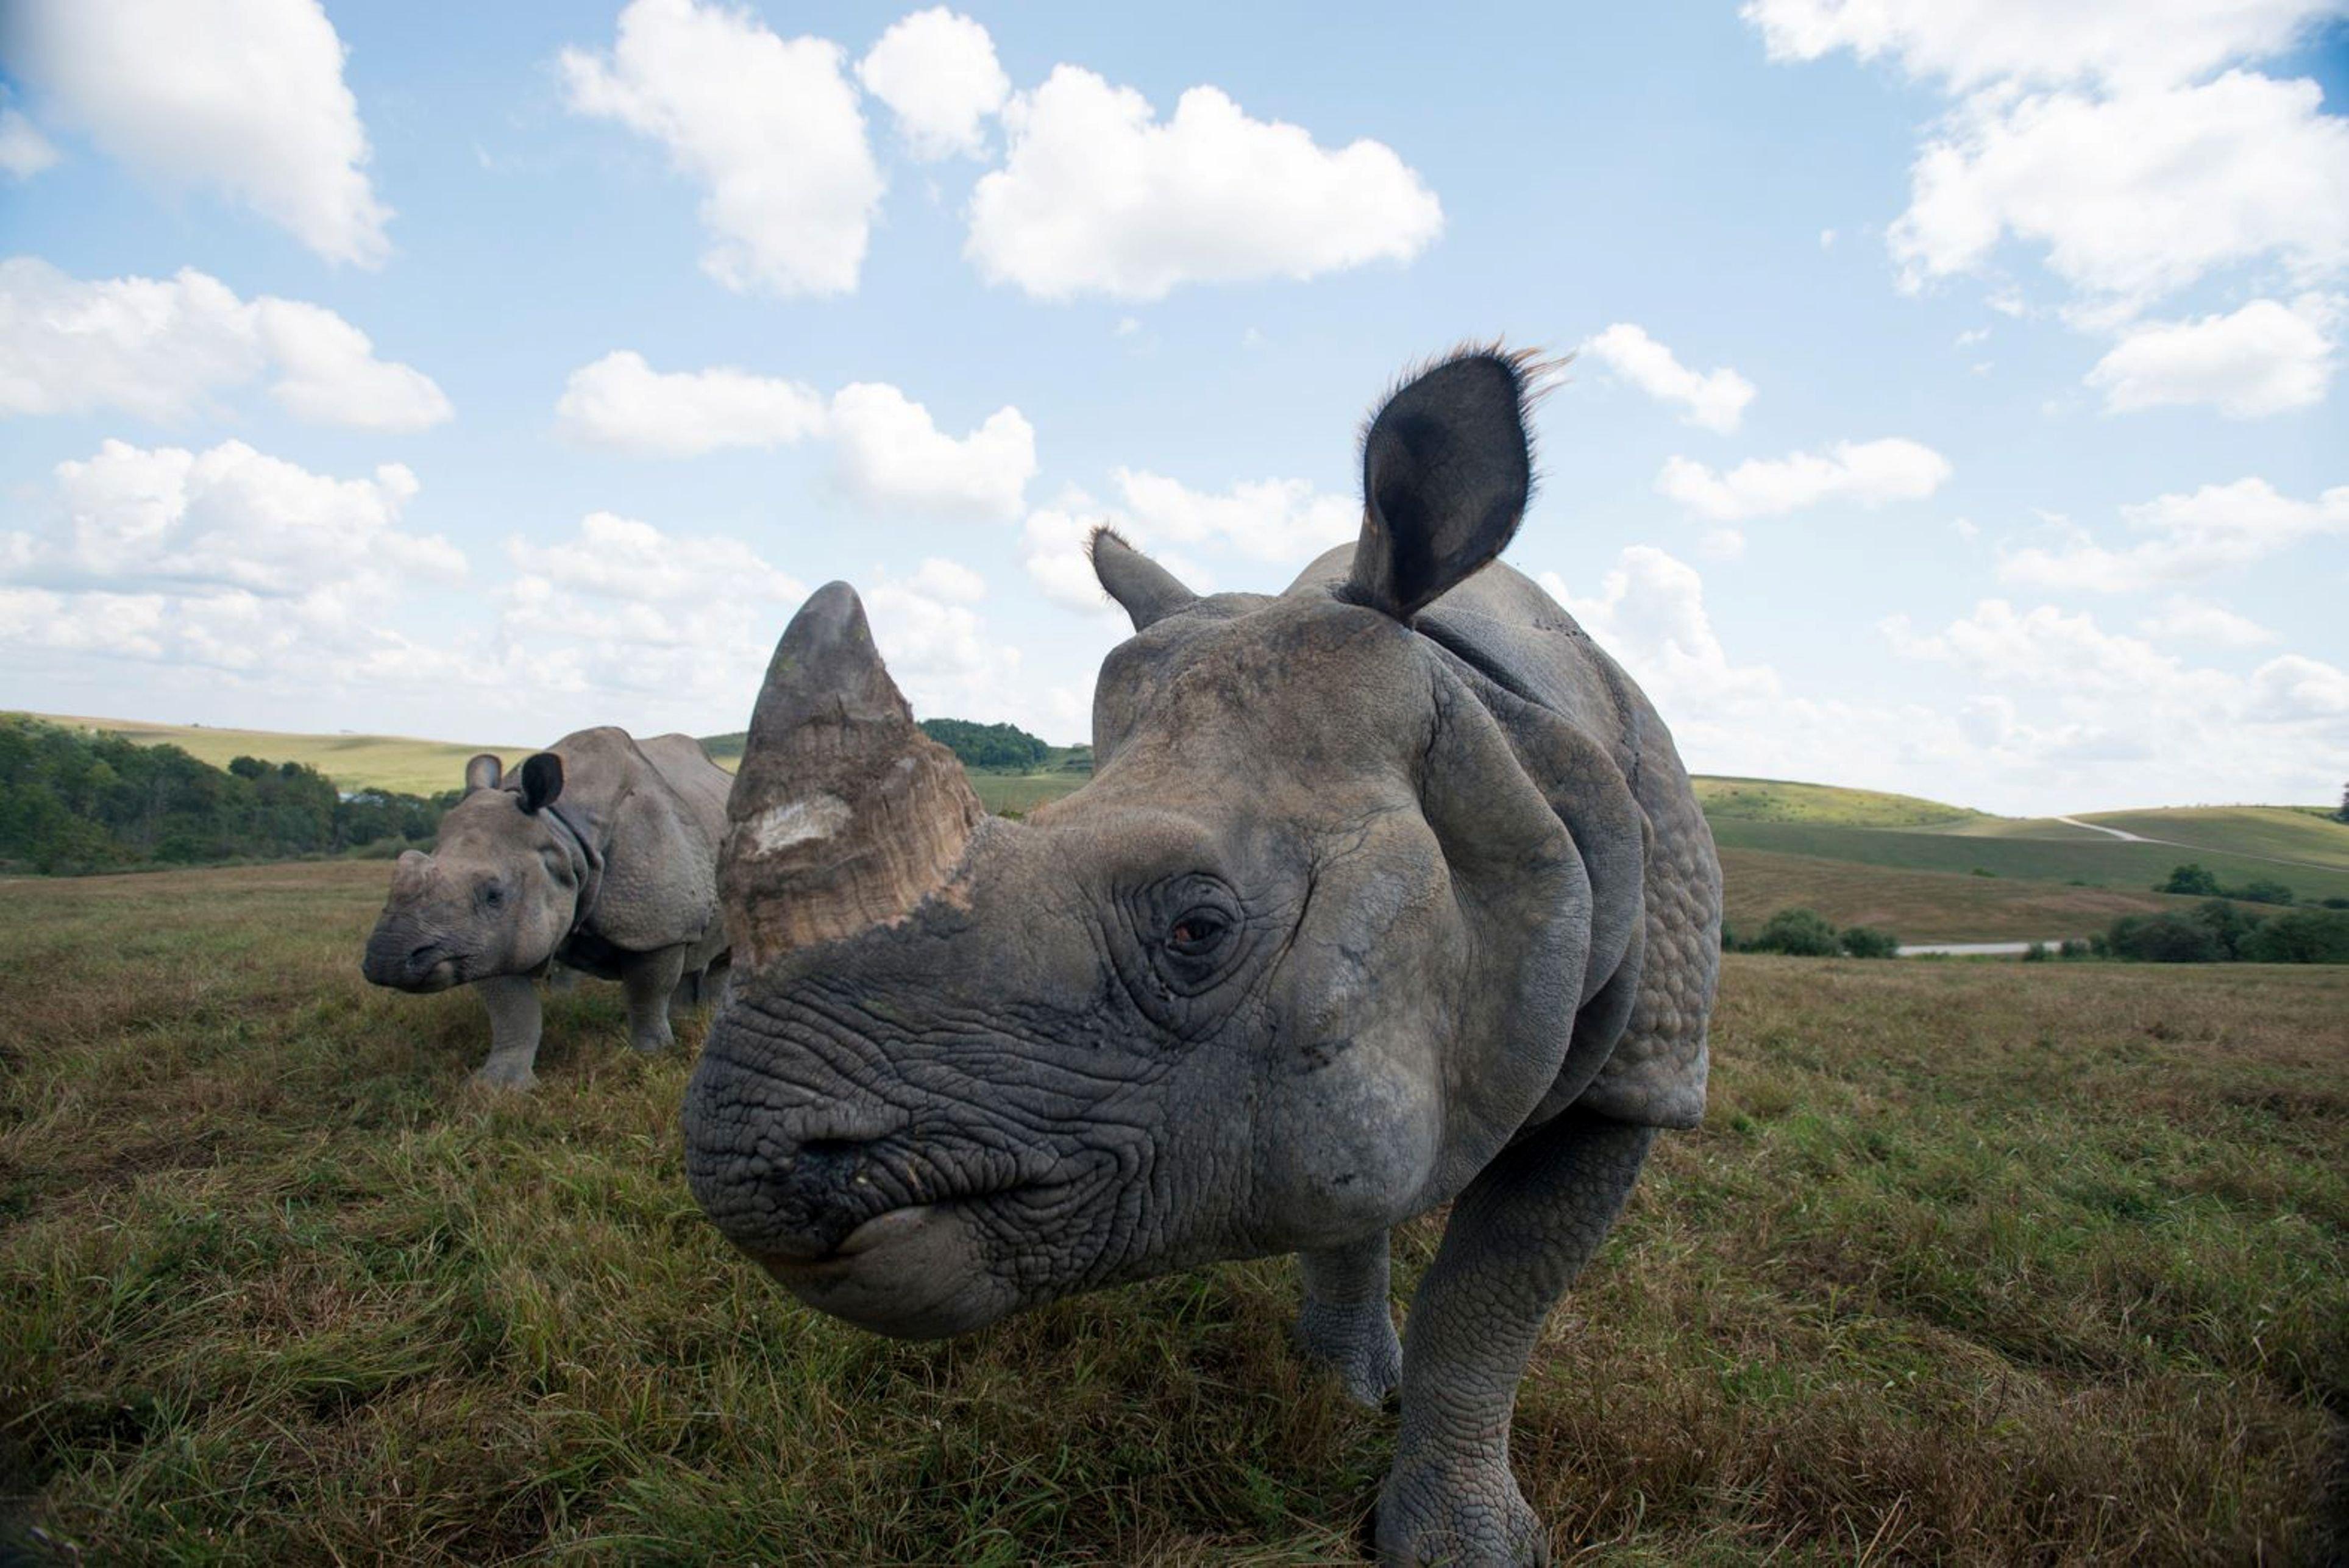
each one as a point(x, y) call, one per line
point(493, 896)
point(1198, 932)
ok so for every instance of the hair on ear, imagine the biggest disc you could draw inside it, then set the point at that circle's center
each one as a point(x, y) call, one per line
point(1447, 473)
point(542, 781)
point(1147, 591)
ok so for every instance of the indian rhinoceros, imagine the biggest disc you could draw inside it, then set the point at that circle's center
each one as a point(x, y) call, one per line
point(600, 853)
point(1386, 893)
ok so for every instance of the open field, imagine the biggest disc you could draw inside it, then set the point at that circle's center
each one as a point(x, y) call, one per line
point(1781, 800)
point(1924, 906)
point(395, 762)
point(2094, 860)
point(2284, 832)
point(1977, 1263)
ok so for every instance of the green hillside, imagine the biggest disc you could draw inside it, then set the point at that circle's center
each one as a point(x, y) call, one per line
point(2286, 833)
point(1784, 800)
point(395, 762)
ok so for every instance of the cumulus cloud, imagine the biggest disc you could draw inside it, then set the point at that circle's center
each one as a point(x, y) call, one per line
point(1650, 615)
point(1283, 520)
point(936, 71)
point(227, 560)
point(1864, 473)
point(2134, 196)
point(2184, 619)
point(23, 151)
point(1968, 42)
point(623, 403)
point(245, 96)
point(2217, 528)
point(769, 128)
point(888, 454)
point(1715, 399)
point(2265, 359)
point(161, 348)
point(1097, 196)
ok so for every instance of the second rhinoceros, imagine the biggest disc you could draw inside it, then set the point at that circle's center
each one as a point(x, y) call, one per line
point(1386, 892)
point(600, 853)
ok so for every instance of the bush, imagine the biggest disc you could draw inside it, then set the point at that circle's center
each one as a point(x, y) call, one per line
point(998, 747)
point(2261, 892)
point(1869, 941)
point(1799, 932)
point(2074, 948)
point(2036, 954)
point(2192, 881)
point(2164, 939)
point(2302, 936)
point(2336, 902)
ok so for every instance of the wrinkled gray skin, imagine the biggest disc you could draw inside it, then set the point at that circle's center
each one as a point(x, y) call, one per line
point(1386, 892)
point(599, 854)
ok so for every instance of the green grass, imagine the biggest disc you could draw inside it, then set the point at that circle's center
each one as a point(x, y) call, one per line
point(353, 761)
point(2094, 860)
point(1925, 906)
point(1781, 800)
point(1970, 1263)
point(2284, 832)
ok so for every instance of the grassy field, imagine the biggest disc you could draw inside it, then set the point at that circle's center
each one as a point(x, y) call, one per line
point(1972, 1262)
point(2285, 832)
point(1781, 800)
point(353, 761)
point(2096, 860)
point(1923, 906)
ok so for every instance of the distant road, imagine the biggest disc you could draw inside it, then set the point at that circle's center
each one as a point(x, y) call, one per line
point(2203, 848)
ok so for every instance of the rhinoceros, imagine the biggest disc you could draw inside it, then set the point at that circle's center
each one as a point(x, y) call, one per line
point(600, 854)
point(1386, 892)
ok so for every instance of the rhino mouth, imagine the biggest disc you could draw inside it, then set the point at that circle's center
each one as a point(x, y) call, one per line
point(918, 1272)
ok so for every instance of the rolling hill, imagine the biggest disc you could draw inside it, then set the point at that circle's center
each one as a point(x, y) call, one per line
point(1926, 869)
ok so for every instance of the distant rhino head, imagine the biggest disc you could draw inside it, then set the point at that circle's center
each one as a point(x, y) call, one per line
point(496, 896)
point(1293, 966)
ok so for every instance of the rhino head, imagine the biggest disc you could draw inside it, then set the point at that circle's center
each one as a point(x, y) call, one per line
point(1298, 961)
point(496, 896)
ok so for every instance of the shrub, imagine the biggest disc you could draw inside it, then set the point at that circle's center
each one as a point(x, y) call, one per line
point(1003, 748)
point(2074, 948)
point(2302, 936)
point(2226, 923)
point(2191, 879)
point(1799, 932)
point(1984, 871)
point(1869, 941)
point(2261, 892)
point(2336, 903)
point(2036, 954)
point(2164, 939)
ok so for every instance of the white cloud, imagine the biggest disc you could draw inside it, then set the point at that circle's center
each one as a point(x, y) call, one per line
point(1716, 400)
point(1649, 615)
point(889, 456)
point(2183, 619)
point(1966, 43)
point(23, 151)
point(243, 95)
point(623, 403)
point(2136, 196)
point(936, 71)
point(620, 558)
point(948, 580)
point(160, 348)
point(1865, 473)
point(2265, 359)
point(1283, 520)
point(2217, 528)
point(226, 561)
point(769, 128)
point(1097, 196)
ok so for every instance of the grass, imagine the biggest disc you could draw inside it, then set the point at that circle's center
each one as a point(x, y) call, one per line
point(1970, 1263)
point(1781, 800)
point(1925, 906)
point(2285, 832)
point(393, 762)
point(2095, 860)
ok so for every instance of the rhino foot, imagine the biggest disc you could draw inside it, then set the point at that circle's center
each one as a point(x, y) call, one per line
point(1459, 1517)
point(510, 1073)
point(1356, 1341)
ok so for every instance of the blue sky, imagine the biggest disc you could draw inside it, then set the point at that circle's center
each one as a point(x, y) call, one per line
point(1956, 407)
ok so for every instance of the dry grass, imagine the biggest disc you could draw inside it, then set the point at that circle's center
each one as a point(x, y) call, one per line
point(1924, 906)
point(1970, 1263)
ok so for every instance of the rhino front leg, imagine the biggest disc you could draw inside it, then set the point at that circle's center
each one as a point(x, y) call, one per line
point(650, 979)
point(513, 1004)
point(1346, 1323)
point(1517, 1238)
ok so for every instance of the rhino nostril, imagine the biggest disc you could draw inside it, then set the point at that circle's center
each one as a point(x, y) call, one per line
point(422, 953)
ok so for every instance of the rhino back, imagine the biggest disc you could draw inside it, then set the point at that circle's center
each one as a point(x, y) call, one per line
point(657, 821)
point(1502, 624)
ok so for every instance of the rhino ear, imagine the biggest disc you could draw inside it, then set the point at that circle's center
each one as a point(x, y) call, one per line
point(542, 781)
point(1447, 469)
point(1148, 591)
point(483, 772)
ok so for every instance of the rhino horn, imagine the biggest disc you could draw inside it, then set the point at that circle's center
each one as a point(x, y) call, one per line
point(844, 815)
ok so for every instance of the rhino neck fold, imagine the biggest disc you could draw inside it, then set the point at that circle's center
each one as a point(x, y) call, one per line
point(586, 864)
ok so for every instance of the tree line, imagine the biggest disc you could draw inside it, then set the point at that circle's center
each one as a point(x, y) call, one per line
point(74, 801)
